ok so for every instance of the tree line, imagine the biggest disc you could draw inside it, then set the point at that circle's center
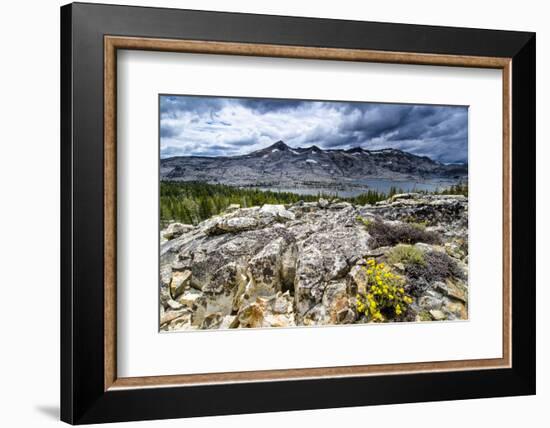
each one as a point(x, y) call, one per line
point(193, 202)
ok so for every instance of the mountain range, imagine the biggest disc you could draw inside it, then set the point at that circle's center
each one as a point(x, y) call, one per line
point(282, 166)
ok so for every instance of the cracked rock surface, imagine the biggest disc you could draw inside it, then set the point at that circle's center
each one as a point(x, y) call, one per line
point(301, 264)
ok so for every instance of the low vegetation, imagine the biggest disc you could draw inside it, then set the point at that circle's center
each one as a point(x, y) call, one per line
point(437, 266)
point(384, 297)
point(386, 234)
point(406, 255)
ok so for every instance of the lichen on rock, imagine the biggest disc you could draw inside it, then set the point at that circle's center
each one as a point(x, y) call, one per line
point(304, 264)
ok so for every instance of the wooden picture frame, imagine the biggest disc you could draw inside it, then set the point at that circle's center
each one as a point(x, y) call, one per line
point(91, 390)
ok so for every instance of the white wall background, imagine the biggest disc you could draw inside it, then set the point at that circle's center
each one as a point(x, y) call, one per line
point(29, 218)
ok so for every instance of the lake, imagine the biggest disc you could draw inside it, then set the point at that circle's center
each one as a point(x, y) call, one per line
point(379, 184)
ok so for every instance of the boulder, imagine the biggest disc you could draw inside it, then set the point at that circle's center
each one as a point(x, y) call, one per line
point(309, 281)
point(357, 280)
point(340, 205)
point(278, 212)
point(438, 315)
point(180, 280)
point(288, 266)
point(323, 203)
point(336, 307)
point(172, 304)
point(228, 321)
point(304, 207)
point(221, 294)
point(274, 311)
point(454, 289)
point(207, 253)
point(212, 321)
point(456, 310)
point(455, 250)
point(428, 303)
point(165, 277)
point(265, 270)
point(182, 322)
point(232, 207)
point(235, 224)
point(324, 257)
point(447, 211)
point(281, 303)
point(189, 297)
point(181, 264)
point(171, 315)
point(252, 315)
point(175, 230)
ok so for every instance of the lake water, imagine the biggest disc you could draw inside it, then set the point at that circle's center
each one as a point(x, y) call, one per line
point(378, 184)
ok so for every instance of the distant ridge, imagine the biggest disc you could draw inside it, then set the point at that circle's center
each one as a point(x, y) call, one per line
point(281, 165)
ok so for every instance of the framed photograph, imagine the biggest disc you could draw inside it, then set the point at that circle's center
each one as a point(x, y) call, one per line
point(266, 213)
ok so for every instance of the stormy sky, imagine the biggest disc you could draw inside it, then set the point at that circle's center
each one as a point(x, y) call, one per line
point(216, 126)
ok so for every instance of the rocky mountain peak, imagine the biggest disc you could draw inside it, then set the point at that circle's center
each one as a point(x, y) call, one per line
point(357, 149)
point(314, 148)
point(282, 165)
point(279, 145)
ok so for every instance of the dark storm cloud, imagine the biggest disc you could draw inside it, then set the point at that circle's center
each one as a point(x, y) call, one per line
point(214, 126)
point(270, 105)
point(171, 106)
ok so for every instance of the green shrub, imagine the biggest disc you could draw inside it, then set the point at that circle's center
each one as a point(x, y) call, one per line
point(406, 254)
point(420, 225)
point(425, 316)
point(365, 221)
point(414, 220)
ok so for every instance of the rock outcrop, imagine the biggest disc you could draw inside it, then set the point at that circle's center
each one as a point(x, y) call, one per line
point(303, 264)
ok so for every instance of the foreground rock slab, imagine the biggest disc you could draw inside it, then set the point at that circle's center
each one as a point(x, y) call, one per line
point(303, 264)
